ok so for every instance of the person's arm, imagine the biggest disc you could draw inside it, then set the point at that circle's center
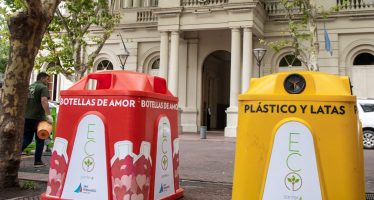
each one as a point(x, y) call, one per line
point(45, 105)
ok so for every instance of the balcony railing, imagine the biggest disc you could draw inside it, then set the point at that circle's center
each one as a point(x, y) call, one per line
point(192, 3)
point(275, 7)
point(139, 3)
point(355, 4)
point(145, 16)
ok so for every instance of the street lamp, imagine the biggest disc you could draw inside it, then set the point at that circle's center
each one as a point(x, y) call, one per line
point(259, 54)
point(123, 57)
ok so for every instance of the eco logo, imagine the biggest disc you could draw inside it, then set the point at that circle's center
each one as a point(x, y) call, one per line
point(88, 163)
point(292, 172)
point(293, 181)
point(165, 159)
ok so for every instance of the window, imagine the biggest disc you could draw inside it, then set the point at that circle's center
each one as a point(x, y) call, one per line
point(290, 61)
point(156, 64)
point(52, 85)
point(364, 59)
point(367, 107)
point(105, 65)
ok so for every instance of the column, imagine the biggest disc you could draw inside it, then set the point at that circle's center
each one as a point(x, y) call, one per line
point(146, 3)
point(190, 113)
point(164, 55)
point(117, 5)
point(174, 61)
point(235, 67)
point(136, 3)
point(247, 58)
point(127, 4)
point(232, 111)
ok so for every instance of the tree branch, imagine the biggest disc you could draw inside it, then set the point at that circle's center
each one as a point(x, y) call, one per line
point(49, 6)
point(34, 7)
point(92, 56)
point(64, 22)
point(85, 28)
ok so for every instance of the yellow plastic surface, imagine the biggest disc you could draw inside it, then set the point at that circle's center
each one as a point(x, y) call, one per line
point(337, 140)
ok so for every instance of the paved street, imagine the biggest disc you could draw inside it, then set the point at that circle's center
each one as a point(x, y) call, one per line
point(206, 167)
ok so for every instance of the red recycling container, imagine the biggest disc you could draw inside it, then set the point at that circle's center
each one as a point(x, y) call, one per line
point(117, 141)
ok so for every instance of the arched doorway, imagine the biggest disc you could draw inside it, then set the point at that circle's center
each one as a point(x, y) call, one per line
point(362, 74)
point(215, 90)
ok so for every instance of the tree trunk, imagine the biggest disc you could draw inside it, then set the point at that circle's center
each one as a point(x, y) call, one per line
point(26, 32)
point(312, 24)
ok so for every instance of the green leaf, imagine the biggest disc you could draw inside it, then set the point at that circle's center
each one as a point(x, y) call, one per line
point(60, 46)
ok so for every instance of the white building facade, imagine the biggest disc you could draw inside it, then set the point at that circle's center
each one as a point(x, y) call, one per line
point(203, 48)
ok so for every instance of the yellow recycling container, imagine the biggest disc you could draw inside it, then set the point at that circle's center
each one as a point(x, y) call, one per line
point(298, 139)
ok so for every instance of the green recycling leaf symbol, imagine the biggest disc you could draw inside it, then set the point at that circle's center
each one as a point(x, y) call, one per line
point(88, 162)
point(294, 180)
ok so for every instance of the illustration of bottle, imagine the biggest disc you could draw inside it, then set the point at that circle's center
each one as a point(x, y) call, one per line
point(122, 168)
point(130, 172)
point(58, 168)
point(143, 170)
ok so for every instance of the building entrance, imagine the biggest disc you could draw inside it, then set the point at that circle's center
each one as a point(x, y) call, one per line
point(362, 74)
point(215, 90)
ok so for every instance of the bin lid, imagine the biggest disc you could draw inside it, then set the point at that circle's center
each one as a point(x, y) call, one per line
point(112, 83)
point(315, 86)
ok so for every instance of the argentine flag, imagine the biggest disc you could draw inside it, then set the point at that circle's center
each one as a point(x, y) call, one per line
point(327, 41)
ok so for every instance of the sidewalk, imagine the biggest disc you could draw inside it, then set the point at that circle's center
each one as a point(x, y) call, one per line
point(206, 167)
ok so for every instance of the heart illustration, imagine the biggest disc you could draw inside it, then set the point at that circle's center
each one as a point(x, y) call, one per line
point(134, 185)
point(119, 192)
point(55, 187)
point(126, 197)
point(126, 181)
point(141, 179)
point(58, 163)
point(137, 197)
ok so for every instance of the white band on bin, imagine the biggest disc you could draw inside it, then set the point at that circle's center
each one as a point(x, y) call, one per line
point(121, 150)
point(145, 149)
point(60, 146)
point(176, 146)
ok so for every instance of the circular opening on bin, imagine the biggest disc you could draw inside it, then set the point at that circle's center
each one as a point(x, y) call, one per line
point(294, 84)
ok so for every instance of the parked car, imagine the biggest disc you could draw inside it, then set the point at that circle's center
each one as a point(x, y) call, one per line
point(366, 115)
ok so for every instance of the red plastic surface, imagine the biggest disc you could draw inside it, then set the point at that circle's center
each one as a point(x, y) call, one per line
point(139, 100)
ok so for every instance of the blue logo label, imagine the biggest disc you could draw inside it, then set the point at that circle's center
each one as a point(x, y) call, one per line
point(161, 189)
point(79, 188)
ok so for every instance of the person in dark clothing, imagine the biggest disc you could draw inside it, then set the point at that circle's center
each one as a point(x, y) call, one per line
point(37, 110)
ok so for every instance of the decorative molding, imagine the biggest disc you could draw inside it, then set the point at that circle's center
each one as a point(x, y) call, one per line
point(351, 51)
point(147, 59)
point(168, 11)
point(240, 6)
